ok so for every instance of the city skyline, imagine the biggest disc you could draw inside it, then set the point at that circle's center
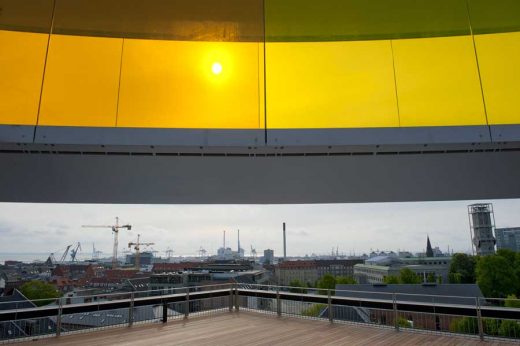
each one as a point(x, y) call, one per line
point(314, 228)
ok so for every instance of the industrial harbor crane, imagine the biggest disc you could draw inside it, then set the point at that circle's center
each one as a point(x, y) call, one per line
point(53, 260)
point(74, 252)
point(137, 248)
point(115, 229)
point(64, 256)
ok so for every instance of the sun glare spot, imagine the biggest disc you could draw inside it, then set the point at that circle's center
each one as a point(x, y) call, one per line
point(216, 68)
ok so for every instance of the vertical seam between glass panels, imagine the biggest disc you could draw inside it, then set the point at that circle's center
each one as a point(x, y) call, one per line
point(44, 69)
point(395, 84)
point(478, 69)
point(119, 83)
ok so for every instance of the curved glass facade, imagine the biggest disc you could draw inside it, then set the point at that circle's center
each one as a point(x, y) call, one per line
point(259, 65)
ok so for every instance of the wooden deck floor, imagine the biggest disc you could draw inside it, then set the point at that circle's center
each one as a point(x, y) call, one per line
point(249, 328)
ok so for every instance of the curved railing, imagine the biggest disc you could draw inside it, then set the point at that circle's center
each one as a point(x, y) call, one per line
point(471, 316)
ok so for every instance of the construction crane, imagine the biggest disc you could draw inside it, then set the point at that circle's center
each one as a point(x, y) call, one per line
point(62, 259)
point(137, 248)
point(115, 229)
point(74, 252)
point(51, 260)
point(169, 253)
point(202, 252)
point(95, 253)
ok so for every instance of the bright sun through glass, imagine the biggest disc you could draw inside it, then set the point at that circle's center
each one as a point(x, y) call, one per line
point(216, 68)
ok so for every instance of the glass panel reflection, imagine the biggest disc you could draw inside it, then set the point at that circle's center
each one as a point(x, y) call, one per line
point(330, 84)
point(21, 72)
point(437, 82)
point(499, 60)
point(190, 84)
point(81, 81)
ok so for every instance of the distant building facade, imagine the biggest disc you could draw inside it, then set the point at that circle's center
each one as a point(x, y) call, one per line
point(310, 271)
point(304, 271)
point(145, 258)
point(337, 267)
point(508, 238)
point(269, 256)
point(177, 280)
point(375, 270)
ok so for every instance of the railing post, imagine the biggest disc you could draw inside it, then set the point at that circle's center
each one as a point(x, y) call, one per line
point(396, 315)
point(187, 303)
point(231, 298)
point(131, 310)
point(237, 308)
point(278, 302)
point(58, 318)
point(329, 301)
point(164, 312)
point(479, 319)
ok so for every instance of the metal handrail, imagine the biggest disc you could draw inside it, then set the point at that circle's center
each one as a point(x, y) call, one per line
point(185, 295)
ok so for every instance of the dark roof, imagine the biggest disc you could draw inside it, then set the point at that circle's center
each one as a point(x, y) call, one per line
point(15, 301)
point(427, 293)
point(347, 313)
point(347, 262)
point(139, 284)
point(114, 317)
point(19, 328)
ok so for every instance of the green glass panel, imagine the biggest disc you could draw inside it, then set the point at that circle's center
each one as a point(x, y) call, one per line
point(194, 20)
point(493, 16)
point(337, 20)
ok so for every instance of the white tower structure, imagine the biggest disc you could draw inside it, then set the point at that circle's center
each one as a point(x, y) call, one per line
point(482, 224)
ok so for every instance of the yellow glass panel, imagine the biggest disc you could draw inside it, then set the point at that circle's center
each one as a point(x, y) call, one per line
point(177, 84)
point(22, 57)
point(437, 82)
point(499, 60)
point(330, 85)
point(81, 81)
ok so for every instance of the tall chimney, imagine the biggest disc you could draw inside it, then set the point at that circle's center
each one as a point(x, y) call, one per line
point(238, 251)
point(224, 245)
point(284, 243)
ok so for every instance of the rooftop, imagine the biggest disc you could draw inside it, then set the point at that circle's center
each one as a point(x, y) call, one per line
point(428, 292)
point(253, 329)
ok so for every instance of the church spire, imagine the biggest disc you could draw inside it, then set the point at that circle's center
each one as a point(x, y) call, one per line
point(429, 250)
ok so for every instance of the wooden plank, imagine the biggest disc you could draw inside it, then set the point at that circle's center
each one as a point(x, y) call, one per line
point(254, 329)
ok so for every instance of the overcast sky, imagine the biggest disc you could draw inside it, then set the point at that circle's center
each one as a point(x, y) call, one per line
point(185, 228)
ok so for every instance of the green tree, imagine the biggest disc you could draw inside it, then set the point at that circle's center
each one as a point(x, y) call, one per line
point(314, 311)
point(491, 326)
point(512, 301)
point(345, 280)
point(297, 286)
point(36, 289)
point(509, 328)
point(404, 323)
point(509, 255)
point(462, 269)
point(407, 276)
point(516, 269)
point(466, 325)
point(495, 276)
point(327, 282)
point(431, 277)
point(391, 279)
